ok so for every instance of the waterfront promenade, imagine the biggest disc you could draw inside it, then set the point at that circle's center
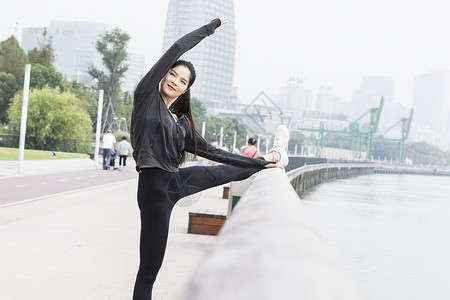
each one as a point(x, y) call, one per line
point(83, 243)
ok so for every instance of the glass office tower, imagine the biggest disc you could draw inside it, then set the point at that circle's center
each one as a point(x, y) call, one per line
point(214, 57)
point(431, 100)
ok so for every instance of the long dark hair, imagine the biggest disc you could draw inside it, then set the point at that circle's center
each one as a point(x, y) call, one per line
point(183, 105)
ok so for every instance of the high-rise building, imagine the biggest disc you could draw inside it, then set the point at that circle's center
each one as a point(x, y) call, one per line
point(214, 57)
point(431, 100)
point(294, 97)
point(448, 121)
point(74, 44)
point(326, 102)
point(136, 70)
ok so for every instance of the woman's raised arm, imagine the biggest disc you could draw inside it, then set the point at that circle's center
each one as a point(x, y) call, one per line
point(185, 43)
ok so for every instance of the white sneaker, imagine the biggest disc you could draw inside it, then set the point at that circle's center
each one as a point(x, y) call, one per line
point(280, 144)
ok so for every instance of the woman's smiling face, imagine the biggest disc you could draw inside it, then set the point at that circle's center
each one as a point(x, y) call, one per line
point(176, 82)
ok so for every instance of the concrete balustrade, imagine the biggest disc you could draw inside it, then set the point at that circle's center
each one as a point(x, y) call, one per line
point(268, 249)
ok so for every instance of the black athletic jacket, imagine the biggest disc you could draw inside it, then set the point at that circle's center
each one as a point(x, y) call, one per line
point(157, 139)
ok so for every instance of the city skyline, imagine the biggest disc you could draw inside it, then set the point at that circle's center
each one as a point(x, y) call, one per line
point(326, 43)
point(74, 46)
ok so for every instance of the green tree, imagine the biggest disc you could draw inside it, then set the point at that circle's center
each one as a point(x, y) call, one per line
point(213, 125)
point(53, 118)
point(43, 54)
point(425, 154)
point(42, 76)
point(198, 112)
point(385, 149)
point(296, 138)
point(13, 59)
point(8, 87)
point(230, 125)
point(340, 141)
point(113, 48)
point(127, 107)
point(88, 99)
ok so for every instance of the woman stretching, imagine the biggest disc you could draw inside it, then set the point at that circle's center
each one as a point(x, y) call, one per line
point(162, 131)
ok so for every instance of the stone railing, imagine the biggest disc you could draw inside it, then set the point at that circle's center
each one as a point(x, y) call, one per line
point(268, 249)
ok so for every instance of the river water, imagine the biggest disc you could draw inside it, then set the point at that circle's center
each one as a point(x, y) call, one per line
point(390, 233)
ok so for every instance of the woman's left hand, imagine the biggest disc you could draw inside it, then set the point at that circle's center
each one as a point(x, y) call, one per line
point(274, 166)
point(223, 21)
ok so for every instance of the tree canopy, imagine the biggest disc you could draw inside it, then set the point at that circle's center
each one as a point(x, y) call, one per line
point(113, 48)
point(88, 99)
point(213, 125)
point(299, 139)
point(13, 59)
point(43, 54)
point(426, 154)
point(198, 111)
point(52, 117)
point(42, 76)
point(8, 87)
point(383, 149)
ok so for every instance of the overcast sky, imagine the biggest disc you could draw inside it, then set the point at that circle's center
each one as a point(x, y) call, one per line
point(327, 42)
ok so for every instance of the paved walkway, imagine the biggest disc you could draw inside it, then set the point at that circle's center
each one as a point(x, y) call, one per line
point(21, 188)
point(84, 244)
point(37, 167)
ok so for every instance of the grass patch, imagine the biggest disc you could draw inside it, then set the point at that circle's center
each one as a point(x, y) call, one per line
point(13, 154)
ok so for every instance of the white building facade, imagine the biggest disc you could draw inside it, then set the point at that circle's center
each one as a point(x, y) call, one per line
point(431, 103)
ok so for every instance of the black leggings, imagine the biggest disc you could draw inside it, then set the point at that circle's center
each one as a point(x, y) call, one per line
point(158, 191)
point(124, 158)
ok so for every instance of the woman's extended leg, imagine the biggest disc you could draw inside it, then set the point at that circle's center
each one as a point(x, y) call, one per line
point(199, 178)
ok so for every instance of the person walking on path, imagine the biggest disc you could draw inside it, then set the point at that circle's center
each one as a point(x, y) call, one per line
point(214, 143)
point(109, 143)
point(251, 150)
point(162, 132)
point(124, 152)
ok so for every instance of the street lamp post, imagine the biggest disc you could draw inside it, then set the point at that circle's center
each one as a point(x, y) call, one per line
point(99, 122)
point(23, 120)
point(221, 138)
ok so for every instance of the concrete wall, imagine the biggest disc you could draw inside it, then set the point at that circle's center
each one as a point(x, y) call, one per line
point(296, 162)
point(268, 249)
point(394, 169)
point(308, 176)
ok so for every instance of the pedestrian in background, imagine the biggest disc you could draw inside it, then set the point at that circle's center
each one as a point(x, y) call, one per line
point(124, 152)
point(214, 143)
point(251, 150)
point(109, 143)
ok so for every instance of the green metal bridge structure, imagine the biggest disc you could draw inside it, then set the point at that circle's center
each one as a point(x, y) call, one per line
point(406, 127)
point(370, 133)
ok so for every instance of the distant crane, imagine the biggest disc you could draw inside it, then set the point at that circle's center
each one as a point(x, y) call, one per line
point(353, 130)
point(406, 126)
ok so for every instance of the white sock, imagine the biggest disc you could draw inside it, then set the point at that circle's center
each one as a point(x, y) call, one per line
point(277, 155)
